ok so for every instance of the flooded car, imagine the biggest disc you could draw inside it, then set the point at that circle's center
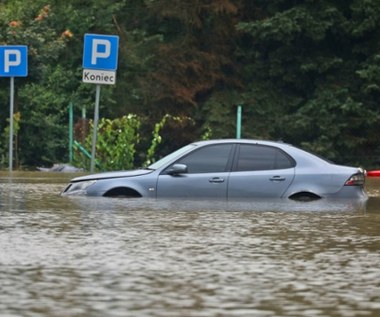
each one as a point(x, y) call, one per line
point(229, 169)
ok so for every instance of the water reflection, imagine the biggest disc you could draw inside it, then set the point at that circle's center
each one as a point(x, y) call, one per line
point(257, 205)
point(80, 256)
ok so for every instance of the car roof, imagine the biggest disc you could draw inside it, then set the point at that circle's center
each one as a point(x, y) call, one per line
point(298, 154)
point(247, 141)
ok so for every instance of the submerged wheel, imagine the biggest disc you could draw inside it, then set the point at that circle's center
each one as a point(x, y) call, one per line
point(304, 196)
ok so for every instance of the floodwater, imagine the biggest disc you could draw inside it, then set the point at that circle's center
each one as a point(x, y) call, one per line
point(86, 257)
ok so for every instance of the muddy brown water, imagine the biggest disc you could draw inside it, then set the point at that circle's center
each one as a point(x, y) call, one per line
point(74, 257)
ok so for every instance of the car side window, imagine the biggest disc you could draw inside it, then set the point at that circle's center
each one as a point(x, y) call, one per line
point(209, 159)
point(261, 157)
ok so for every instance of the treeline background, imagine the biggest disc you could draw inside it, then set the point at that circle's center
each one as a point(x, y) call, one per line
point(305, 72)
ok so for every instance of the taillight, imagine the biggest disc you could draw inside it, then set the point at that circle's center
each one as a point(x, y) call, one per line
point(356, 180)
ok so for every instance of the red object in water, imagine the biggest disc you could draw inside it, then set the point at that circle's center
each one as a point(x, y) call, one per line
point(374, 173)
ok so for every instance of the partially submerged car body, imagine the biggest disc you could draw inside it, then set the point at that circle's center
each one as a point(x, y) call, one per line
point(229, 169)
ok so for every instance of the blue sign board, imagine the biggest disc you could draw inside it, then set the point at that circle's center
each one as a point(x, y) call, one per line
point(13, 60)
point(100, 51)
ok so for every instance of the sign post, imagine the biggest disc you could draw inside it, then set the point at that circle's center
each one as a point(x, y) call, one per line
point(99, 67)
point(94, 132)
point(13, 63)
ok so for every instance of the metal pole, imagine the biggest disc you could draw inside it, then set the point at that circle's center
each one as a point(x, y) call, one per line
point(11, 103)
point(238, 123)
point(71, 123)
point(84, 125)
point(94, 134)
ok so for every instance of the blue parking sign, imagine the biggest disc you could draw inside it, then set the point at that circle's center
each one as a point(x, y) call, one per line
point(13, 60)
point(100, 51)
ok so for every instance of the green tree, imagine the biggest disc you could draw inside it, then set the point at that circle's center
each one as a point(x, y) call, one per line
point(306, 72)
point(311, 54)
point(188, 54)
point(54, 35)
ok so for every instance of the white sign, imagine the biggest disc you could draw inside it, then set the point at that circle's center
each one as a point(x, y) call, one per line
point(95, 76)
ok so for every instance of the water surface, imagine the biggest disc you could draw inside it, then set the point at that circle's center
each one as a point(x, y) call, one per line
point(62, 256)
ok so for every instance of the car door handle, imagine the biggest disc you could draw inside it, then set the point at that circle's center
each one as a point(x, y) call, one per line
point(277, 179)
point(216, 180)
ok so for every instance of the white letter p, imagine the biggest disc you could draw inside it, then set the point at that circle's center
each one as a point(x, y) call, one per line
point(96, 54)
point(8, 62)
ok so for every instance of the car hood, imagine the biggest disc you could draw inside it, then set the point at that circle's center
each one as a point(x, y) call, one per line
point(116, 174)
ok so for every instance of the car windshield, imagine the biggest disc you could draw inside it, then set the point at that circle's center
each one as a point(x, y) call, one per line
point(171, 156)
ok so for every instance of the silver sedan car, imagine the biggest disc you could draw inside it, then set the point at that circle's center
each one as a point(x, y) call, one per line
point(229, 169)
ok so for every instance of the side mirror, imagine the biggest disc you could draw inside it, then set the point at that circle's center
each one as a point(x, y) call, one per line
point(177, 169)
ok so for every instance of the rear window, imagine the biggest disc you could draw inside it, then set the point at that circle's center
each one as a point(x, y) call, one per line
point(262, 157)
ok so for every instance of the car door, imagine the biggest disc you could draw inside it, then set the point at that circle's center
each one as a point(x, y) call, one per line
point(260, 171)
point(206, 176)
